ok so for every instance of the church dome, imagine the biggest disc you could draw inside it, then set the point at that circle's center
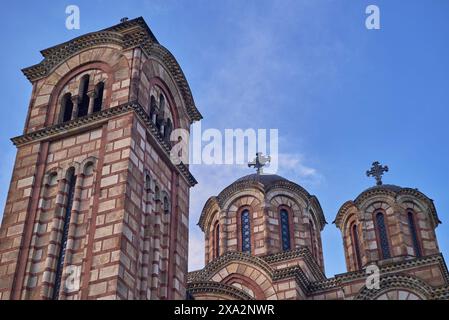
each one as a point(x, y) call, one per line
point(265, 179)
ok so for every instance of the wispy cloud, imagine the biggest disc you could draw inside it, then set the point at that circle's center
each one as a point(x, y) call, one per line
point(294, 167)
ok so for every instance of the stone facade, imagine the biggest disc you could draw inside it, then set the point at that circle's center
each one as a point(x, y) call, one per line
point(400, 245)
point(96, 208)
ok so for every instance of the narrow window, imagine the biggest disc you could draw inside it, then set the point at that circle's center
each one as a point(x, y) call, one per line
point(285, 230)
point(383, 236)
point(98, 101)
point(166, 205)
point(157, 194)
point(147, 183)
point(71, 181)
point(355, 245)
point(83, 106)
point(66, 107)
point(153, 108)
point(312, 237)
point(161, 102)
point(413, 233)
point(246, 231)
point(217, 239)
point(168, 130)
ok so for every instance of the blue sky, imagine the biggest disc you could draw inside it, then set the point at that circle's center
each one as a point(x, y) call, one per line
point(341, 96)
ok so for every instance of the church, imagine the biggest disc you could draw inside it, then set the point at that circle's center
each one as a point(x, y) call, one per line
point(97, 209)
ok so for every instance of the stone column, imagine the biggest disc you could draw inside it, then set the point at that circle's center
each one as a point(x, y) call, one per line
point(75, 101)
point(92, 95)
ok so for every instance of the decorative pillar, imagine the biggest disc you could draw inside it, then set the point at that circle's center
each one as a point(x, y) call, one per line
point(92, 95)
point(75, 101)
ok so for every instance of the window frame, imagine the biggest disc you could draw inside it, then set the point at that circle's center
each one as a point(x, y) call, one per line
point(378, 234)
point(290, 229)
point(415, 234)
point(251, 227)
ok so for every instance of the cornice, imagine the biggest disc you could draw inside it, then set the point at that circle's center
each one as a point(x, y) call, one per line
point(337, 281)
point(303, 253)
point(84, 123)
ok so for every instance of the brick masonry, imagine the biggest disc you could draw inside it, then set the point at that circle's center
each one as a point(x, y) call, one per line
point(128, 231)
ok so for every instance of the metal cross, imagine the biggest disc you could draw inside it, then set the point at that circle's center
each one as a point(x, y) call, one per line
point(259, 162)
point(377, 172)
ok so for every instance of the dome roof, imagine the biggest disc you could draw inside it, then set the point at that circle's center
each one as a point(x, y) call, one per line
point(265, 182)
point(382, 188)
point(385, 189)
point(266, 179)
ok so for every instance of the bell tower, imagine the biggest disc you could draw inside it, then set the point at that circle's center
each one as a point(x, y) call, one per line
point(96, 207)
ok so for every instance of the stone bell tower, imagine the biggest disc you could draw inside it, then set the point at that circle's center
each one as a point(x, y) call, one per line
point(96, 209)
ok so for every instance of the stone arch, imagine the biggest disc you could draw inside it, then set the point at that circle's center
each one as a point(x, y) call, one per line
point(398, 282)
point(58, 171)
point(76, 167)
point(107, 58)
point(157, 74)
point(216, 291)
point(249, 273)
point(231, 200)
point(86, 162)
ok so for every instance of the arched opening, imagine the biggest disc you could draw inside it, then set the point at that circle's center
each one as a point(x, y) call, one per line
point(217, 239)
point(157, 194)
point(66, 107)
point(312, 238)
point(161, 102)
point(153, 109)
point(168, 130)
point(285, 230)
point(98, 101)
point(147, 183)
point(83, 105)
point(356, 247)
point(245, 231)
point(166, 205)
point(71, 182)
point(382, 236)
point(414, 233)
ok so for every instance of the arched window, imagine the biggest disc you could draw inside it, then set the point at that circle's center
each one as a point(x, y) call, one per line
point(166, 205)
point(217, 239)
point(168, 129)
point(246, 231)
point(157, 193)
point(98, 101)
point(71, 182)
point(161, 102)
point(414, 233)
point(147, 183)
point(66, 107)
point(83, 106)
point(312, 237)
point(383, 235)
point(153, 109)
point(355, 246)
point(285, 230)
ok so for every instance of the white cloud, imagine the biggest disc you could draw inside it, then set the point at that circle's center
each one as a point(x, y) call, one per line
point(293, 167)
